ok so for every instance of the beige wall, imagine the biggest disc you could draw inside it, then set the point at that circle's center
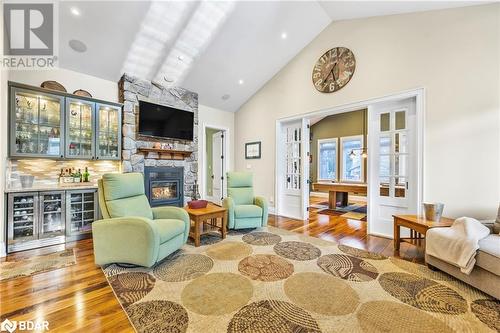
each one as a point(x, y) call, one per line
point(453, 53)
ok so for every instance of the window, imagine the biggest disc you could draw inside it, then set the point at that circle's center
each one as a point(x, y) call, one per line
point(352, 161)
point(327, 159)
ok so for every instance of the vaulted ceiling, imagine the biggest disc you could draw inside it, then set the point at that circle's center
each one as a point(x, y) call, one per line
point(224, 51)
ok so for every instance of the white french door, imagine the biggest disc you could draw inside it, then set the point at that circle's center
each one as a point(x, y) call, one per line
point(293, 174)
point(393, 163)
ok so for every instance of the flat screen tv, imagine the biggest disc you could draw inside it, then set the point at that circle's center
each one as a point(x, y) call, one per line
point(165, 122)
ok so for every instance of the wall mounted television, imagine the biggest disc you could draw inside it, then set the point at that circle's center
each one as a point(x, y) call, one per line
point(165, 122)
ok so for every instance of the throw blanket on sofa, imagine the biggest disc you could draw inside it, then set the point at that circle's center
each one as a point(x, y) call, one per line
point(457, 244)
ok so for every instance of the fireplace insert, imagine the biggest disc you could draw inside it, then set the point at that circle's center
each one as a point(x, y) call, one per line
point(164, 186)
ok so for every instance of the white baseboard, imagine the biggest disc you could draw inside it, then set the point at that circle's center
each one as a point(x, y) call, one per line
point(379, 234)
point(271, 210)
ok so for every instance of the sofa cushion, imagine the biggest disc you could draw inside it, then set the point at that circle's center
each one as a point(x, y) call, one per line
point(169, 228)
point(496, 225)
point(488, 255)
point(132, 206)
point(239, 179)
point(241, 195)
point(243, 211)
point(122, 185)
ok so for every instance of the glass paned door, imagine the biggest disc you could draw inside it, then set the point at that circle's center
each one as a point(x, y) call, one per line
point(393, 155)
point(52, 207)
point(80, 129)
point(108, 134)
point(81, 212)
point(23, 212)
point(38, 123)
point(293, 158)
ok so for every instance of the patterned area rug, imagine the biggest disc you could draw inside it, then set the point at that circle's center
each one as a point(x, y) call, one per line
point(271, 280)
point(35, 265)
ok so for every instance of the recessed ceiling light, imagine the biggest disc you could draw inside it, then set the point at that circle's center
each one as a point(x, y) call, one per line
point(284, 35)
point(180, 58)
point(240, 81)
point(225, 97)
point(168, 79)
point(75, 11)
point(77, 45)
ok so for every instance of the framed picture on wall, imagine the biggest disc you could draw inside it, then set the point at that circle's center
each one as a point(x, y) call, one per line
point(252, 150)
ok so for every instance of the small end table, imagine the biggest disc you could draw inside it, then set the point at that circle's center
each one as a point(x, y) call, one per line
point(207, 217)
point(418, 226)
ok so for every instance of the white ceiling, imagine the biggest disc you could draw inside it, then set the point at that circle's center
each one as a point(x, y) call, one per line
point(207, 47)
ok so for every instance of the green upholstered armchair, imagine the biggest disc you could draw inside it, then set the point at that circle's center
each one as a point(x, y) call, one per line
point(131, 232)
point(244, 209)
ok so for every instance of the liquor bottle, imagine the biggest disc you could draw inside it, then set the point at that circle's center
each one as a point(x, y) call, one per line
point(79, 175)
point(86, 175)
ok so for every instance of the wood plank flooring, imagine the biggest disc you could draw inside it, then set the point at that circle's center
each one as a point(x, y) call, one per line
point(79, 299)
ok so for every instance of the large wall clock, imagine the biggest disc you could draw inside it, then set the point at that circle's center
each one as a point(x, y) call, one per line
point(333, 70)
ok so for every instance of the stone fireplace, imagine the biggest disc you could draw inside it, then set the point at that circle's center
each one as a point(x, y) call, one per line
point(164, 186)
point(131, 89)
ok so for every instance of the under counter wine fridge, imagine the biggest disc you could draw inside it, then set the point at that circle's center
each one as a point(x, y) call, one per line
point(35, 219)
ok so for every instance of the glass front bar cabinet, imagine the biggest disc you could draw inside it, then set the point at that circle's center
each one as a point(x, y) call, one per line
point(36, 124)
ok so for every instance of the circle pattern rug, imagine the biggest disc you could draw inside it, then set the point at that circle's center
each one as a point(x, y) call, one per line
point(131, 287)
point(229, 250)
point(348, 267)
point(423, 293)
point(272, 316)
point(245, 283)
point(261, 238)
point(265, 267)
point(297, 250)
point(360, 253)
point(488, 311)
point(158, 316)
point(217, 293)
point(385, 316)
point(182, 267)
point(315, 292)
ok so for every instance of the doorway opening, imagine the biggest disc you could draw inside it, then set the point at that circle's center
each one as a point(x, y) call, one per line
point(338, 163)
point(215, 163)
point(361, 162)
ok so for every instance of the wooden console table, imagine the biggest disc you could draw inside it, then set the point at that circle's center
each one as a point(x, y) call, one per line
point(418, 226)
point(339, 188)
point(206, 220)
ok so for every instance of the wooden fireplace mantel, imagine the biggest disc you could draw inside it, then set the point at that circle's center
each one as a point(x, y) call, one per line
point(167, 154)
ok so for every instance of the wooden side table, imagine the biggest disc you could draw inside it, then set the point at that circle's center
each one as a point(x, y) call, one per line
point(207, 217)
point(418, 226)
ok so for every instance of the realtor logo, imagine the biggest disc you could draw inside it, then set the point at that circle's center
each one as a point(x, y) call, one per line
point(9, 326)
point(29, 29)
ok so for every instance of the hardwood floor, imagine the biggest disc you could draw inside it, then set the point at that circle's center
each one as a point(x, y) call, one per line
point(79, 299)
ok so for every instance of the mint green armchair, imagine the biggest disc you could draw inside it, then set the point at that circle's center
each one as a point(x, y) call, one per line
point(131, 232)
point(244, 209)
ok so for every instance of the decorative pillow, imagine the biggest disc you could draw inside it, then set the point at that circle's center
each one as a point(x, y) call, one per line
point(496, 226)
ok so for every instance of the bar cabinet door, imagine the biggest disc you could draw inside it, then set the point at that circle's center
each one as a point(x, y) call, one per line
point(80, 124)
point(81, 211)
point(108, 136)
point(36, 124)
point(52, 214)
point(22, 219)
